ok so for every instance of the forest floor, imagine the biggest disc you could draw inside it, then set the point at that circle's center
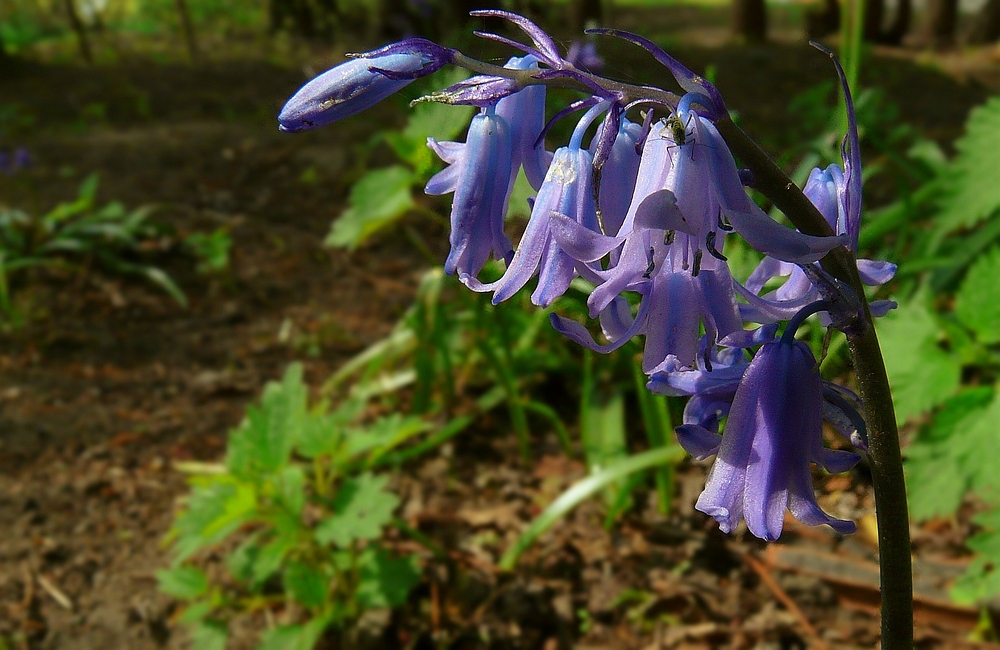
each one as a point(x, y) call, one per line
point(110, 383)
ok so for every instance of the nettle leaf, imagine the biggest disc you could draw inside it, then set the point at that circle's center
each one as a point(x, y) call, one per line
point(321, 434)
point(216, 507)
point(209, 635)
point(385, 580)
point(946, 460)
point(291, 489)
point(922, 375)
point(264, 441)
point(981, 580)
point(977, 304)
point(972, 193)
point(186, 582)
point(306, 584)
point(384, 434)
point(361, 508)
point(377, 200)
point(293, 637)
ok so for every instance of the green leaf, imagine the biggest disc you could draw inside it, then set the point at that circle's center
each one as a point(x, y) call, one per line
point(195, 612)
point(977, 304)
point(946, 460)
point(268, 559)
point(973, 193)
point(306, 584)
point(209, 635)
point(603, 432)
point(583, 490)
point(377, 200)
point(186, 582)
point(361, 508)
point(264, 441)
point(216, 507)
point(922, 375)
point(384, 580)
point(383, 435)
point(981, 580)
point(320, 434)
point(291, 488)
point(293, 637)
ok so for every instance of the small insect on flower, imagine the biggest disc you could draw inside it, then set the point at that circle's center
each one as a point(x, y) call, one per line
point(678, 129)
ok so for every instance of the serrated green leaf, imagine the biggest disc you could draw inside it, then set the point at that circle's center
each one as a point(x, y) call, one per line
point(291, 489)
point(981, 580)
point(195, 612)
point(977, 304)
point(378, 199)
point(384, 580)
point(921, 374)
point(293, 637)
point(946, 460)
point(973, 193)
point(209, 635)
point(321, 434)
point(268, 558)
point(383, 435)
point(306, 584)
point(264, 441)
point(186, 582)
point(361, 508)
point(216, 507)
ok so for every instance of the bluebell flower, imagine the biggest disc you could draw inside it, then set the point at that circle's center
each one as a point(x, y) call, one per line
point(524, 111)
point(687, 197)
point(772, 436)
point(619, 175)
point(566, 191)
point(478, 172)
point(360, 83)
point(836, 193)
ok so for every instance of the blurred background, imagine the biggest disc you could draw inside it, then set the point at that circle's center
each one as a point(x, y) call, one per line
point(241, 406)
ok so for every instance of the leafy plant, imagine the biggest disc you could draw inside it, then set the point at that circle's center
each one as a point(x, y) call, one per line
point(77, 233)
point(941, 345)
point(301, 492)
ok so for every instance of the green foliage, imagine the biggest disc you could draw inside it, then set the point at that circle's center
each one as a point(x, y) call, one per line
point(922, 374)
point(80, 234)
point(378, 199)
point(977, 304)
point(972, 193)
point(947, 459)
point(381, 197)
point(330, 560)
point(210, 249)
point(941, 345)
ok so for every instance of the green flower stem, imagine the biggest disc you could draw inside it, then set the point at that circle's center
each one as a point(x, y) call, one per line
point(884, 453)
point(883, 450)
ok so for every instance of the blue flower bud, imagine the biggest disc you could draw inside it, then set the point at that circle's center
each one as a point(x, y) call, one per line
point(359, 83)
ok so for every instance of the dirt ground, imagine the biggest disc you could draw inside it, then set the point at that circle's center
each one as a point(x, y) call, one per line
point(111, 382)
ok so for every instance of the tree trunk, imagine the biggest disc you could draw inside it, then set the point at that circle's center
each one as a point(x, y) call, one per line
point(900, 24)
point(750, 20)
point(987, 27)
point(79, 29)
point(940, 21)
point(874, 14)
point(823, 23)
point(582, 12)
point(187, 28)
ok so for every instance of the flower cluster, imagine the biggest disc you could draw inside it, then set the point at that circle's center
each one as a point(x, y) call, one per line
point(11, 163)
point(644, 206)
